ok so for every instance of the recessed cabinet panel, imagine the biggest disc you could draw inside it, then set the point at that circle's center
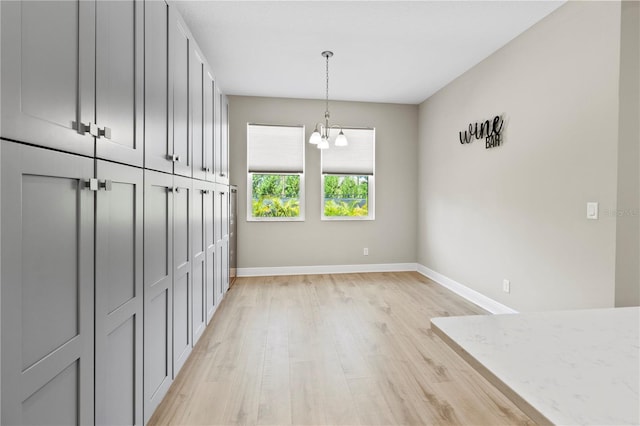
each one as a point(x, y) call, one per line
point(119, 294)
point(198, 309)
point(217, 132)
point(209, 132)
point(158, 288)
point(196, 68)
point(179, 95)
point(223, 177)
point(210, 248)
point(47, 289)
point(182, 338)
point(119, 80)
point(43, 43)
point(156, 138)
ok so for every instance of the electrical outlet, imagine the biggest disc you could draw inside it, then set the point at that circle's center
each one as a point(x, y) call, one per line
point(506, 286)
point(365, 251)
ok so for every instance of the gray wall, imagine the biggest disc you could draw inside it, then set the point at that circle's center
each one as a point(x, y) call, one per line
point(518, 211)
point(391, 237)
point(628, 230)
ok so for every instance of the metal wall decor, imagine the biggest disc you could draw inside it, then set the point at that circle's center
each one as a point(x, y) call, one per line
point(489, 130)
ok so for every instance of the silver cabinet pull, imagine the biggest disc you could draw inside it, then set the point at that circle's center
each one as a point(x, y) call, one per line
point(105, 184)
point(91, 128)
point(91, 184)
point(105, 131)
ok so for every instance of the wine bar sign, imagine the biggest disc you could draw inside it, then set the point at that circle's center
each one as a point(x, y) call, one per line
point(489, 130)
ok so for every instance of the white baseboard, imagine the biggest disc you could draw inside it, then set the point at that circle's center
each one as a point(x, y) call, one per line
point(461, 290)
point(325, 269)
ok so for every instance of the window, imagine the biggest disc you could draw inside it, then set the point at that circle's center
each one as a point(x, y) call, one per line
point(275, 172)
point(348, 177)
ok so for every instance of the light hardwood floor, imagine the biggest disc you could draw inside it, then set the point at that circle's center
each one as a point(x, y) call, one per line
point(343, 349)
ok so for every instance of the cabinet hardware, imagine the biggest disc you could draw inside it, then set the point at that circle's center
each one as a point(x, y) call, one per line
point(91, 184)
point(222, 175)
point(91, 128)
point(205, 191)
point(105, 131)
point(105, 184)
point(207, 169)
point(173, 157)
point(176, 190)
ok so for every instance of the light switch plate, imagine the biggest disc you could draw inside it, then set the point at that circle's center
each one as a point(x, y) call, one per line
point(592, 210)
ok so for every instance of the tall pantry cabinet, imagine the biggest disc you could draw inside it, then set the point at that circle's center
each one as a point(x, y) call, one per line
point(114, 207)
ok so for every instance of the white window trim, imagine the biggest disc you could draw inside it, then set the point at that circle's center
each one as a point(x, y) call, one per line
point(370, 187)
point(301, 217)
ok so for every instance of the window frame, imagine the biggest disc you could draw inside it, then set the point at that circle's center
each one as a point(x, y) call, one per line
point(370, 185)
point(249, 213)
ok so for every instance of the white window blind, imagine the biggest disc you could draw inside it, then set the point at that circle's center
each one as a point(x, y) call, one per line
point(275, 149)
point(358, 158)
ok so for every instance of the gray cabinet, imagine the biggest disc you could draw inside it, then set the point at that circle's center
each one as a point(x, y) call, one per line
point(157, 152)
point(199, 259)
point(209, 90)
point(48, 71)
point(182, 285)
point(196, 86)
point(119, 80)
point(47, 287)
point(158, 288)
point(179, 39)
point(119, 295)
point(72, 73)
point(222, 240)
point(217, 129)
point(223, 177)
point(211, 299)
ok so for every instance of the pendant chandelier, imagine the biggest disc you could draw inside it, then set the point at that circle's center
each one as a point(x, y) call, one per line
point(320, 135)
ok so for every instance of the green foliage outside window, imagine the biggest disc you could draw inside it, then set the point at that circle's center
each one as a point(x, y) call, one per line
point(346, 196)
point(275, 195)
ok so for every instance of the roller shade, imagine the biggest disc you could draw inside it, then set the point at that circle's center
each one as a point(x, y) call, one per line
point(275, 149)
point(358, 158)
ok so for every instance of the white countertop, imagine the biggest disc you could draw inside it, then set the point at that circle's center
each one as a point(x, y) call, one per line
point(566, 367)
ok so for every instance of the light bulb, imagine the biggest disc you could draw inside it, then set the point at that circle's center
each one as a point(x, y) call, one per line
point(323, 144)
point(341, 140)
point(314, 138)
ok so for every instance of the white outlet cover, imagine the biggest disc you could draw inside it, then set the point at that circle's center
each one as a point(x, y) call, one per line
point(592, 210)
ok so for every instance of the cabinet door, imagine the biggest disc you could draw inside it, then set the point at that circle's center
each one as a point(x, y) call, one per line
point(224, 141)
point(48, 73)
point(157, 153)
point(179, 94)
point(119, 80)
point(196, 80)
point(198, 260)
point(182, 337)
point(119, 298)
point(217, 130)
point(225, 239)
point(210, 246)
point(47, 287)
point(158, 288)
point(209, 139)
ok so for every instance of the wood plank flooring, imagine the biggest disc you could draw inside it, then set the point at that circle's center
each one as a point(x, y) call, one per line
point(344, 349)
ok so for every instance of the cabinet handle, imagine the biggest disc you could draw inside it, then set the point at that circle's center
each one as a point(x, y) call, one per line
point(205, 191)
point(206, 169)
point(105, 184)
point(91, 128)
point(176, 190)
point(173, 157)
point(105, 131)
point(91, 184)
